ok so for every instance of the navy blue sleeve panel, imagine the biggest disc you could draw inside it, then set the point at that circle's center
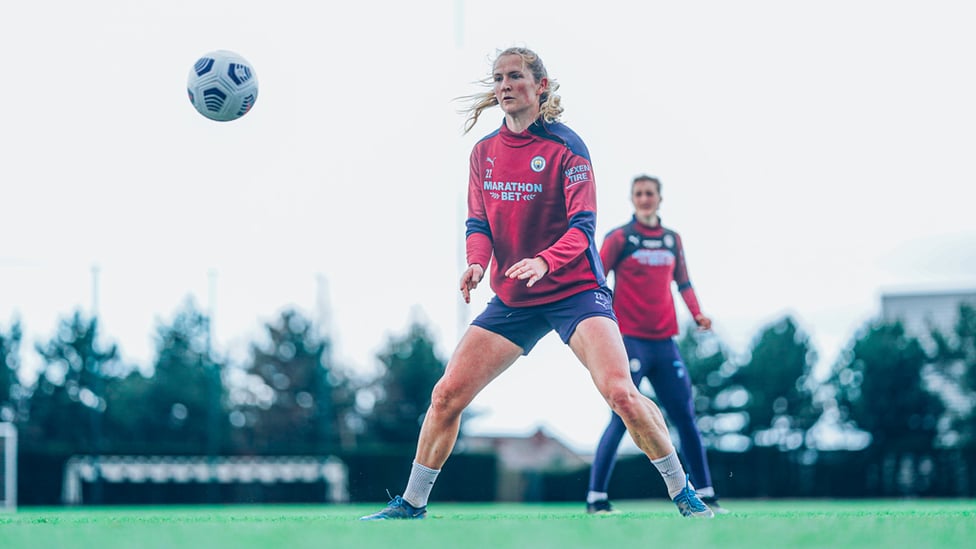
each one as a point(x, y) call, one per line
point(557, 131)
point(681, 277)
point(592, 252)
point(586, 222)
point(473, 225)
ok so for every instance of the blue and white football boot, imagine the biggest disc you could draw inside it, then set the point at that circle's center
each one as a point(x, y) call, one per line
point(398, 508)
point(689, 504)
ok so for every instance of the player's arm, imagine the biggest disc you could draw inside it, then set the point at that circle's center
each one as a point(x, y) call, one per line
point(580, 196)
point(477, 236)
point(610, 250)
point(691, 300)
point(478, 246)
point(470, 279)
point(685, 288)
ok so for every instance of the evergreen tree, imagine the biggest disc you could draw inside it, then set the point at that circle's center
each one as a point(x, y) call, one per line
point(302, 402)
point(67, 403)
point(880, 388)
point(954, 363)
point(966, 344)
point(11, 391)
point(129, 429)
point(411, 368)
point(780, 404)
point(711, 371)
point(179, 408)
point(708, 365)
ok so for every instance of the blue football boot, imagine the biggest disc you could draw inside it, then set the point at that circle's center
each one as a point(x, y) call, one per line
point(689, 504)
point(398, 508)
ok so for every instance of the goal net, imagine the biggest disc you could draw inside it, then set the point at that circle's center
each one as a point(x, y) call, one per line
point(330, 471)
point(8, 467)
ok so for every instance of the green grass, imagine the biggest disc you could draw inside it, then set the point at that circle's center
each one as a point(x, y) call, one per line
point(773, 523)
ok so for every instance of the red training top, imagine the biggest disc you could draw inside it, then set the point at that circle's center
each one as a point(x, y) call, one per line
point(645, 261)
point(532, 194)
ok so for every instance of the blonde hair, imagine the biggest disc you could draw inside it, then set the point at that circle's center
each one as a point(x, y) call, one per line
point(549, 103)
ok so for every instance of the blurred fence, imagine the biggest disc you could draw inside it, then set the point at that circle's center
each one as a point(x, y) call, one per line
point(770, 473)
point(758, 473)
point(192, 472)
point(51, 479)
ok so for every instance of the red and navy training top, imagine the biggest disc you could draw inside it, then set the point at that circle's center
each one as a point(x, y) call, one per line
point(646, 260)
point(532, 194)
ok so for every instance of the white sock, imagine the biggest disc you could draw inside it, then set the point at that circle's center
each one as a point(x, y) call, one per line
point(707, 492)
point(593, 497)
point(420, 483)
point(672, 472)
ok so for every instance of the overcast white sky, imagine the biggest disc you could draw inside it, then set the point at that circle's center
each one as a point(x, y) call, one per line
point(813, 155)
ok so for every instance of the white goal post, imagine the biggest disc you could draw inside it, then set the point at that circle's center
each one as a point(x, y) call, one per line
point(204, 469)
point(8, 467)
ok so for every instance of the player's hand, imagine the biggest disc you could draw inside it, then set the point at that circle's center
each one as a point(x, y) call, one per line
point(704, 323)
point(470, 279)
point(531, 269)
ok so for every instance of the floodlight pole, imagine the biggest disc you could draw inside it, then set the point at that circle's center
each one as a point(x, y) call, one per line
point(98, 386)
point(462, 208)
point(210, 367)
point(94, 304)
point(322, 387)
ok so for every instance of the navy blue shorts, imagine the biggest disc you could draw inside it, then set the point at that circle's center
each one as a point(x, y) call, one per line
point(525, 326)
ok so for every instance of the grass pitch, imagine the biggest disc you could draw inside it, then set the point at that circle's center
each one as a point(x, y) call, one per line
point(773, 523)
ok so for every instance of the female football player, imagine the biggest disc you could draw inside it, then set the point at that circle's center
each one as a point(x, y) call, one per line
point(531, 218)
point(647, 259)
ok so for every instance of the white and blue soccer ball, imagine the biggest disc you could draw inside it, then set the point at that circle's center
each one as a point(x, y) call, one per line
point(222, 86)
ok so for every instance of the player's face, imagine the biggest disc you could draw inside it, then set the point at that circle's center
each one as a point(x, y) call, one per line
point(646, 198)
point(516, 90)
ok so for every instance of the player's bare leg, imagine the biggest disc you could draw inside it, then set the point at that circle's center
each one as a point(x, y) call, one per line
point(598, 345)
point(480, 357)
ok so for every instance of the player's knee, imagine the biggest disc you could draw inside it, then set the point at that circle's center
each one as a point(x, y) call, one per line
point(444, 401)
point(624, 401)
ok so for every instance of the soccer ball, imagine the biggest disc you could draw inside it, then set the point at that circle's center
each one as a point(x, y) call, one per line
point(222, 86)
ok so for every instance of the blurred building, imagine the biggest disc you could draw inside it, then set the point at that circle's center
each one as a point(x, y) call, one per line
point(539, 451)
point(523, 459)
point(921, 312)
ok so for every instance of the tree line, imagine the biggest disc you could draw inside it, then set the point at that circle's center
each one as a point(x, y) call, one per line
point(902, 403)
point(890, 396)
point(288, 397)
